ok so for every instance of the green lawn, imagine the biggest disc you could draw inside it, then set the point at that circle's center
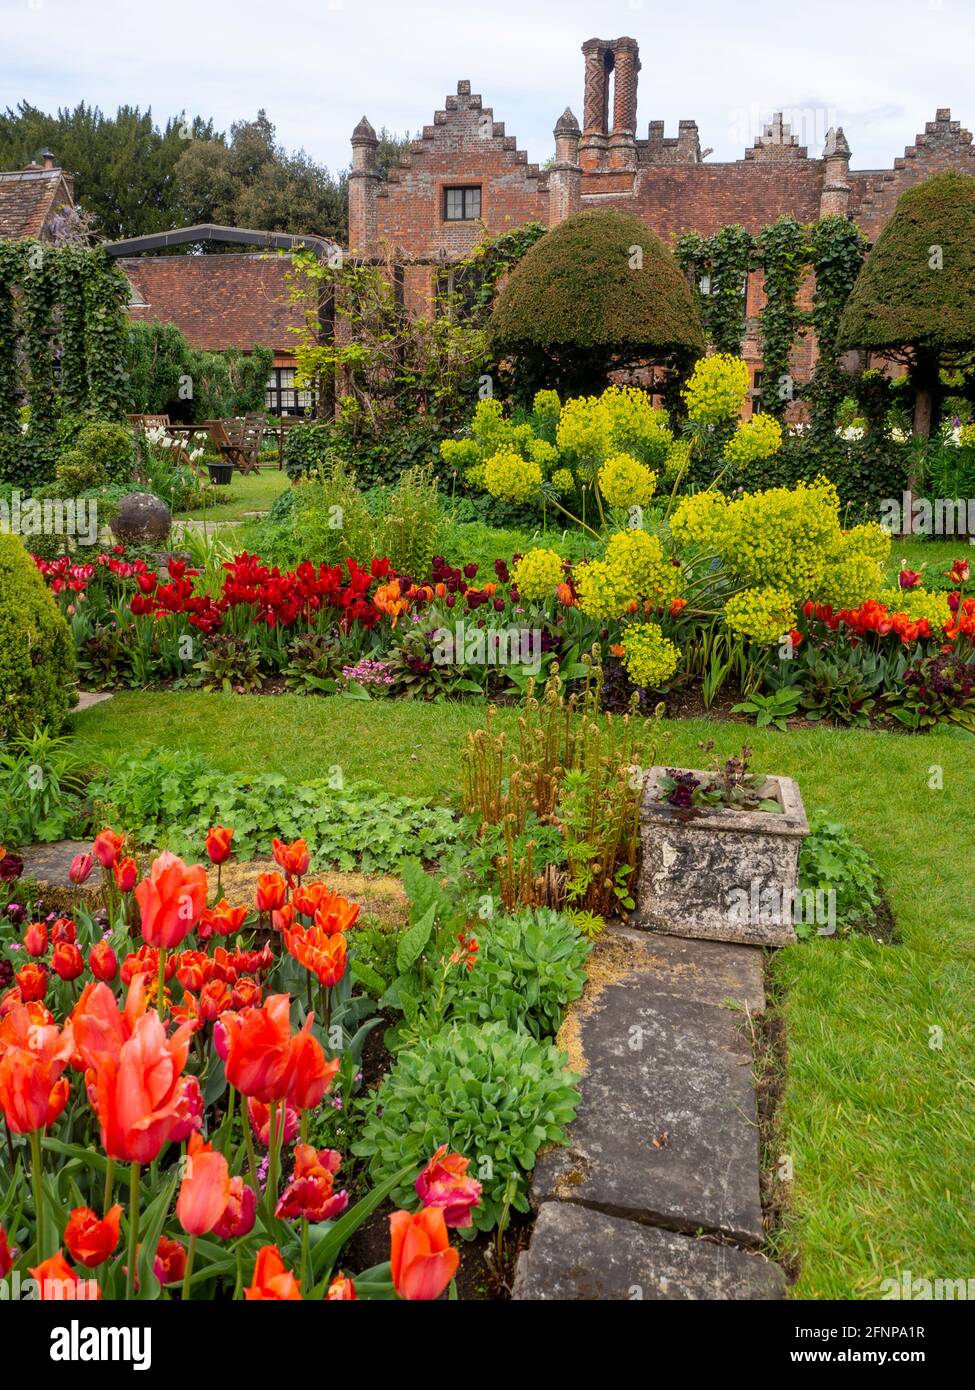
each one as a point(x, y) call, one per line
point(247, 492)
point(878, 1110)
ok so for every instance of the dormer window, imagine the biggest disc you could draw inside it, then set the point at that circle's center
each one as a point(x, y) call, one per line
point(462, 204)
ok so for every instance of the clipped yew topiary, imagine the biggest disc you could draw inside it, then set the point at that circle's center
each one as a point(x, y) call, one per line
point(37, 666)
point(914, 299)
point(598, 292)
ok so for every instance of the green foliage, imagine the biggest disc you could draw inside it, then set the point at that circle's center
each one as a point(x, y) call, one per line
point(161, 366)
point(726, 259)
point(908, 295)
point(785, 254)
point(37, 664)
point(595, 292)
point(776, 708)
point(831, 861)
point(487, 1092)
point(172, 799)
point(529, 967)
point(105, 447)
point(305, 447)
point(39, 789)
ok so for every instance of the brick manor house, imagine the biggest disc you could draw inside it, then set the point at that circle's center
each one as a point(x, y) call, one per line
point(466, 174)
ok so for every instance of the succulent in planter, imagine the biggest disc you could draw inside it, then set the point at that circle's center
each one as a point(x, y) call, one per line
point(729, 784)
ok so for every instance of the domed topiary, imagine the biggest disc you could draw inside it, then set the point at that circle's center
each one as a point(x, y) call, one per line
point(37, 666)
point(596, 292)
point(914, 299)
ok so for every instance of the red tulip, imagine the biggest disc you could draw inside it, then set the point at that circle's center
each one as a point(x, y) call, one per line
point(169, 1262)
point(325, 956)
point(126, 872)
point(97, 1029)
point(192, 969)
point(444, 1183)
point(247, 994)
point(90, 1241)
point(205, 1189)
point(271, 1280)
point(81, 867)
point(107, 847)
point(63, 929)
point(67, 960)
point(6, 1259)
point(260, 1118)
point(35, 939)
point(270, 892)
point(341, 1290)
point(32, 1058)
point(239, 1213)
point(311, 1192)
point(57, 1100)
point(102, 961)
point(313, 1072)
point(218, 843)
point(32, 982)
point(422, 1258)
point(193, 1117)
point(171, 900)
point(214, 999)
point(57, 1280)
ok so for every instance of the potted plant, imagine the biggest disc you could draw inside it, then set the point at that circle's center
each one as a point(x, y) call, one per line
point(720, 853)
point(220, 472)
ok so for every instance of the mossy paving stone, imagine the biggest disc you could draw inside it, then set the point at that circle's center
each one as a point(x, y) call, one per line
point(666, 1133)
point(581, 1255)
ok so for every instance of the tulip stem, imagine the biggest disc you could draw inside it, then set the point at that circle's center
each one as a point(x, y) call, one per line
point(272, 1162)
point(190, 1252)
point(109, 1184)
point(251, 1158)
point(36, 1161)
point(133, 1228)
point(162, 981)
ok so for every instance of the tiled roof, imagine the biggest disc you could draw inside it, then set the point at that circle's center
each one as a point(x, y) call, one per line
point(28, 198)
point(216, 301)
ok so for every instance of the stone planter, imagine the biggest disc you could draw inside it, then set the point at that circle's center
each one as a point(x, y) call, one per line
point(719, 873)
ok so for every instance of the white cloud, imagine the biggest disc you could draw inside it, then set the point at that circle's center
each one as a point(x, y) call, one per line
point(880, 67)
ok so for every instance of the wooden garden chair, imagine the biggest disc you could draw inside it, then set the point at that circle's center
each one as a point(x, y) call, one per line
point(229, 445)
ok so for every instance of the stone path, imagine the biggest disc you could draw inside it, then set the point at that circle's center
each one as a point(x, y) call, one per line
point(657, 1194)
point(87, 698)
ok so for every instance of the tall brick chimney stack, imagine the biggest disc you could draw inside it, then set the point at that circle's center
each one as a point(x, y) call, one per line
point(622, 139)
point(363, 187)
point(835, 197)
point(565, 175)
point(594, 144)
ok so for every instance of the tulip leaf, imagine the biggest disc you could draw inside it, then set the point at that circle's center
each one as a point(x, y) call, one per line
point(329, 1245)
point(151, 1222)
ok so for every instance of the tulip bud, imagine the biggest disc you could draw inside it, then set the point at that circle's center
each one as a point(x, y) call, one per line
point(81, 867)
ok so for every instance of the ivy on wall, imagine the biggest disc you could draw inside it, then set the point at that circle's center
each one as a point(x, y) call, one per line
point(724, 262)
point(784, 253)
point(837, 250)
point(62, 349)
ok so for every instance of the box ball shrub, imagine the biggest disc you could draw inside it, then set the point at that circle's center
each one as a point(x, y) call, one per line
point(102, 446)
point(36, 652)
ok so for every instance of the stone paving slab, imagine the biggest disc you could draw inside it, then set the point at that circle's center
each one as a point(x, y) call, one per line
point(87, 698)
point(582, 1255)
point(667, 1127)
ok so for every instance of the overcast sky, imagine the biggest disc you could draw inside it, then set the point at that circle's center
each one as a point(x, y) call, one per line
point(879, 68)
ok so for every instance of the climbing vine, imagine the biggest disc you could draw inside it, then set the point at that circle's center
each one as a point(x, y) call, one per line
point(62, 349)
point(838, 248)
point(725, 261)
point(784, 252)
point(475, 279)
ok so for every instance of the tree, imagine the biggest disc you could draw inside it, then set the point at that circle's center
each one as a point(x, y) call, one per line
point(598, 292)
point(250, 181)
point(914, 299)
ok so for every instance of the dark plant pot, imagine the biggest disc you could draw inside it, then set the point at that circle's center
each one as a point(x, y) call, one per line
point(220, 473)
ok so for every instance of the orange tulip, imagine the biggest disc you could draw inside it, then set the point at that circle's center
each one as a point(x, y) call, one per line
point(246, 994)
point(192, 969)
point(214, 998)
point(57, 1100)
point(311, 1192)
point(270, 892)
point(341, 1290)
point(224, 919)
point(205, 1189)
point(90, 1241)
point(271, 1280)
point(107, 847)
point(97, 1029)
point(422, 1258)
point(325, 956)
point(294, 858)
point(141, 1095)
point(67, 960)
point(313, 1073)
point(262, 1056)
point(32, 1058)
point(32, 982)
point(218, 844)
point(57, 1280)
point(171, 900)
point(334, 914)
